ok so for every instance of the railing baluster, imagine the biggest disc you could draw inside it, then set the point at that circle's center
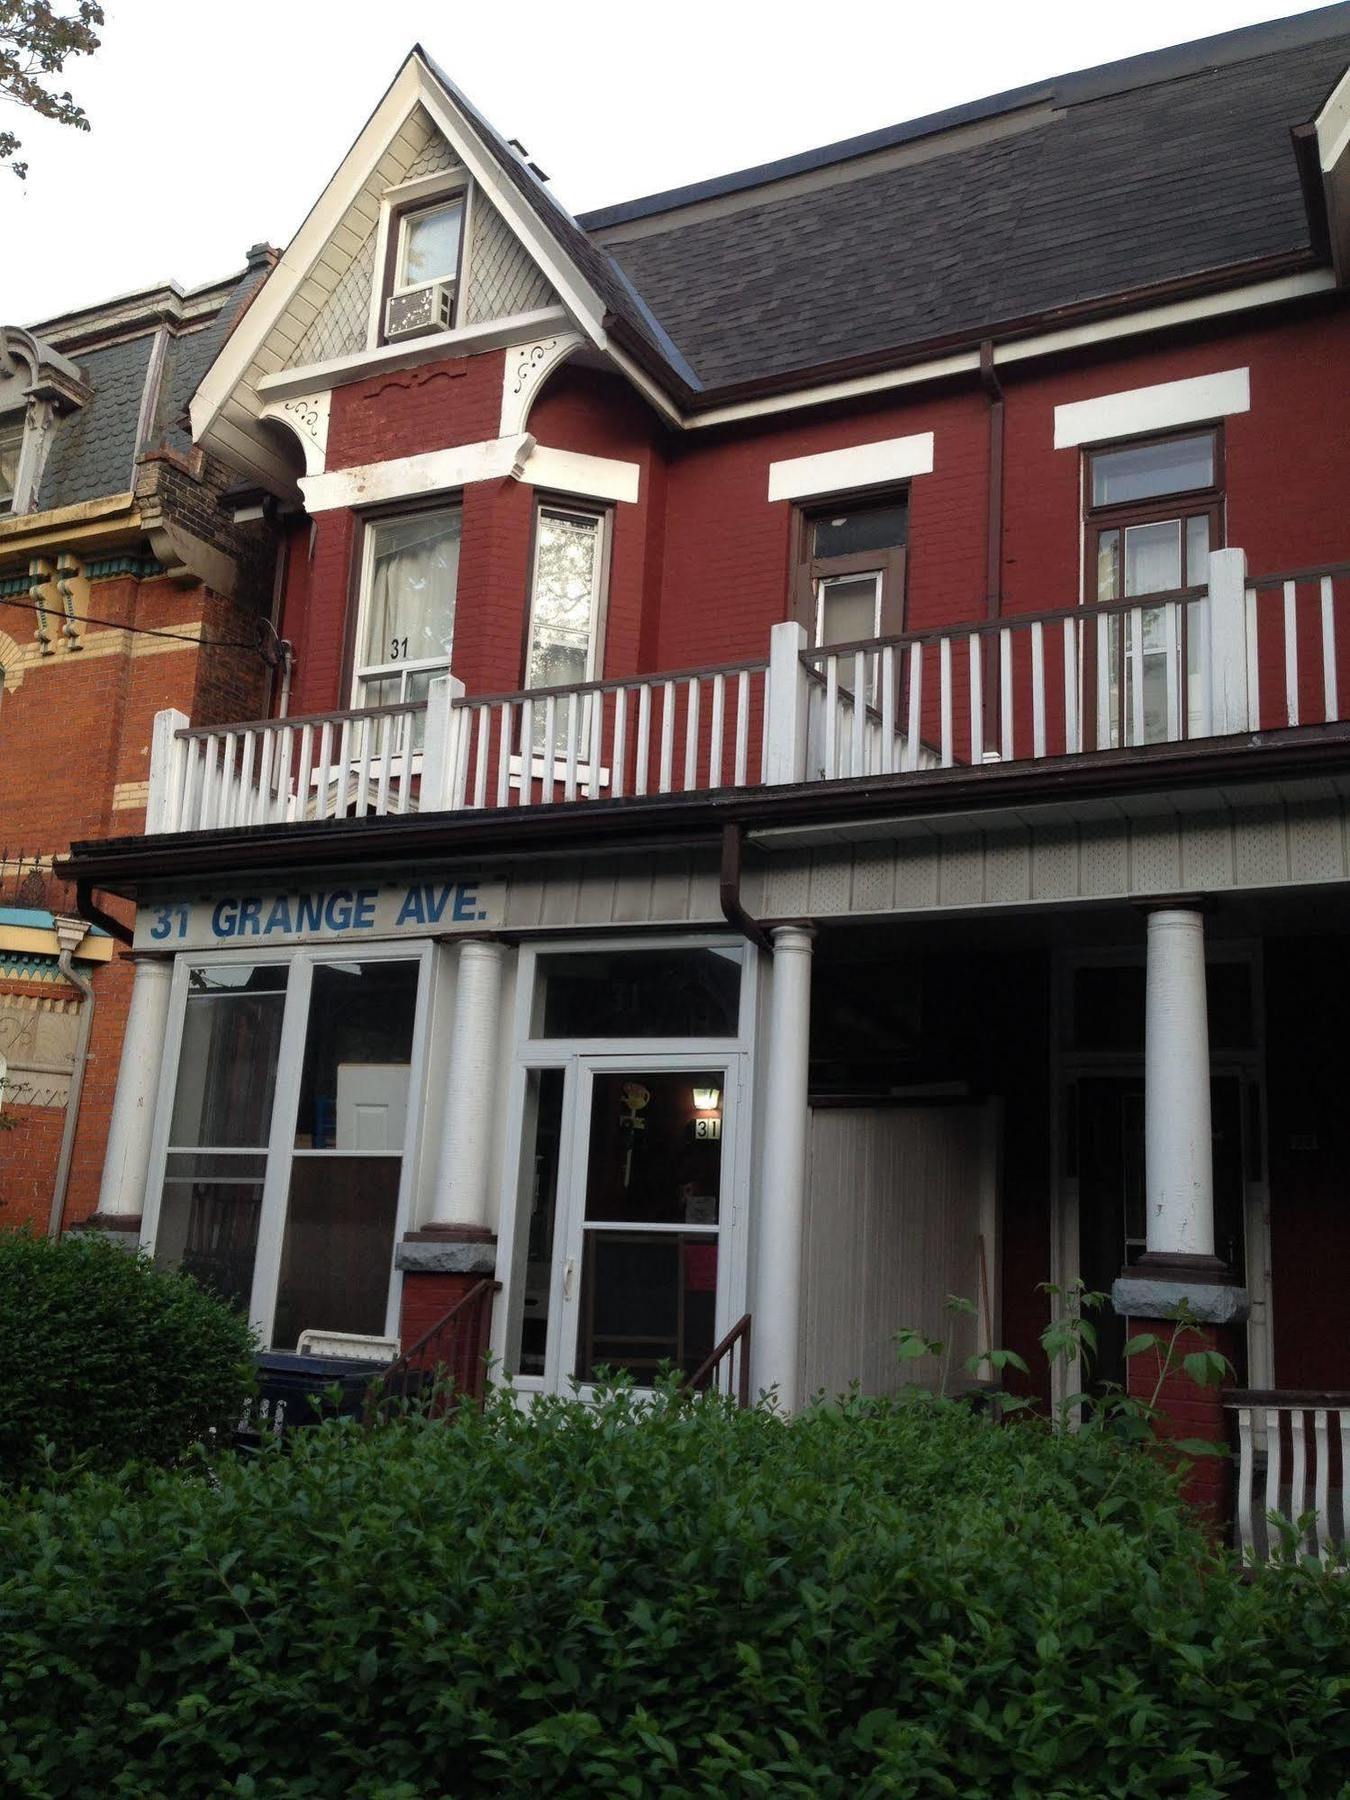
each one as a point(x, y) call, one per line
point(616, 774)
point(458, 750)
point(1246, 1466)
point(1253, 663)
point(1072, 739)
point(1005, 694)
point(691, 710)
point(667, 737)
point(323, 773)
point(1105, 711)
point(306, 764)
point(888, 731)
point(1274, 1469)
point(505, 712)
point(550, 748)
point(718, 725)
point(644, 734)
point(527, 751)
point(742, 726)
point(1322, 1479)
point(285, 759)
point(1291, 652)
point(243, 812)
point(1330, 701)
point(480, 773)
point(230, 792)
point(1038, 689)
point(344, 770)
point(915, 723)
point(262, 792)
point(858, 746)
point(945, 690)
point(570, 739)
point(361, 799)
point(209, 810)
point(1136, 631)
point(595, 742)
point(1298, 1484)
point(829, 729)
point(1173, 673)
point(386, 761)
point(975, 644)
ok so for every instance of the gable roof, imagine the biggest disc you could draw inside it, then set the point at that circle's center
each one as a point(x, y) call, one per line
point(1158, 170)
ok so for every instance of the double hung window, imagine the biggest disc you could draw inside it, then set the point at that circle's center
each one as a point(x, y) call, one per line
point(1153, 511)
point(11, 443)
point(406, 625)
point(851, 571)
point(566, 608)
point(284, 1154)
point(429, 244)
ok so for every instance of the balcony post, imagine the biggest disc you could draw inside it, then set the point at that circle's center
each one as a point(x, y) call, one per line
point(167, 751)
point(439, 744)
point(777, 1290)
point(785, 706)
point(126, 1159)
point(1227, 685)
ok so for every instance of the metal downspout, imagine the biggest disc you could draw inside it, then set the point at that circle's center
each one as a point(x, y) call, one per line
point(70, 934)
point(729, 892)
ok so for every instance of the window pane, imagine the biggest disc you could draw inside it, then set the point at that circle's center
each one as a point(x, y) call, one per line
point(1197, 549)
point(655, 1151)
point(539, 1175)
point(1153, 558)
point(431, 244)
point(228, 1061)
point(209, 1229)
point(410, 602)
point(566, 584)
point(639, 993)
point(358, 1047)
point(848, 608)
point(338, 1249)
point(1173, 467)
point(646, 1300)
point(861, 528)
point(1108, 565)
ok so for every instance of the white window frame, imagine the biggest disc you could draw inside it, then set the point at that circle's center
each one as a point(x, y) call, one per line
point(824, 581)
point(14, 426)
point(280, 1148)
point(431, 189)
point(578, 1057)
point(361, 673)
point(539, 759)
point(405, 219)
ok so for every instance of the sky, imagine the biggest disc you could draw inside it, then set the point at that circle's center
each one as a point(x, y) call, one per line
point(216, 127)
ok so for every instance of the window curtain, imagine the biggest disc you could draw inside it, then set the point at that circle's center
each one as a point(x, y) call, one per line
point(410, 606)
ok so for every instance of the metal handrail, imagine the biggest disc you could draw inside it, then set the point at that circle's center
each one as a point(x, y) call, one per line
point(472, 1306)
point(705, 1376)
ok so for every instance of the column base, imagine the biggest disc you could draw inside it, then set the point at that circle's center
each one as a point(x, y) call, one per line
point(1156, 1291)
point(448, 1250)
point(1187, 1410)
point(122, 1229)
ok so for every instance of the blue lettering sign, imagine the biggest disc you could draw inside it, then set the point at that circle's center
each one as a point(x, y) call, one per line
point(337, 915)
point(363, 913)
point(250, 917)
point(225, 918)
point(279, 919)
point(412, 911)
point(466, 904)
point(308, 912)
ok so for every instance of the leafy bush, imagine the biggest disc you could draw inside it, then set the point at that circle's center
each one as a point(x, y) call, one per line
point(871, 1600)
point(109, 1359)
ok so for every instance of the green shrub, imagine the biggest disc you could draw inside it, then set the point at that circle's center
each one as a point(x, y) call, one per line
point(872, 1600)
point(109, 1359)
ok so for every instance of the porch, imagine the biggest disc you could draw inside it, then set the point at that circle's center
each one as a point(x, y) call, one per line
point(1236, 656)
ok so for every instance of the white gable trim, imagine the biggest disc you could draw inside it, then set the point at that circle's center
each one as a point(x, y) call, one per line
point(413, 85)
point(590, 477)
point(861, 465)
point(1136, 410)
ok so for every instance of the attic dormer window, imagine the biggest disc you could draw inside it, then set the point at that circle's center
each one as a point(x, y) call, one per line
point(11, 444)
point(423, 274)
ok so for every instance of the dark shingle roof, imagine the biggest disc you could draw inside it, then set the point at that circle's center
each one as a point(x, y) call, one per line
point(1102, 190)
point(92, 448)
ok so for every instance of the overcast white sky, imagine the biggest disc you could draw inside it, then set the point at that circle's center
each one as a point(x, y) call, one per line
point(217, 126)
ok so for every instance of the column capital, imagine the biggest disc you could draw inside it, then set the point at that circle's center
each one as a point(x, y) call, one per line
point(796, 937)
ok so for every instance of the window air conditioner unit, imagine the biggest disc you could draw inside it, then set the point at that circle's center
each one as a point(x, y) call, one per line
point(419, 311)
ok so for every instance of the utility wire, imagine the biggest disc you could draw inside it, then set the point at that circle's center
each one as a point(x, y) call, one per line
point(179, 637)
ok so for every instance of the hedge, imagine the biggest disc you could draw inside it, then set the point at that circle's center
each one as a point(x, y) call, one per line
point(872, 1600)
point(105, 1359)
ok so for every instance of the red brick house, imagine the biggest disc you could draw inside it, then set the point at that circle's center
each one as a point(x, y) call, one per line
point(815, 774)
point(118, 574)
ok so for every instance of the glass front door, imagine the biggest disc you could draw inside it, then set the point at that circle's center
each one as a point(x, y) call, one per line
point(631, 1198)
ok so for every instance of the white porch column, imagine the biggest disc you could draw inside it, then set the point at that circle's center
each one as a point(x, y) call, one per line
point(460, 1199)
point(776, 1308)
point(126, 1163)
point(1178, 1150)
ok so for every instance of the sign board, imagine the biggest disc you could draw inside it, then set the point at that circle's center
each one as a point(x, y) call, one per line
point(343, 913)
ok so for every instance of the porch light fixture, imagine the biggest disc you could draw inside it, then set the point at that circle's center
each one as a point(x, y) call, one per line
point(706, 1099)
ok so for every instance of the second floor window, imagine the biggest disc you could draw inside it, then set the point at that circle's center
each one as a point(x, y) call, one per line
point(406, 627)
point(11, 443)
point(851, 570)
point(565, 600)
point(1153, 513)
point(428, 244)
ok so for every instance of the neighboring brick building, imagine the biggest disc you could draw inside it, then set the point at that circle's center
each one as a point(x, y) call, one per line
point(818, 769)
point(118, 571)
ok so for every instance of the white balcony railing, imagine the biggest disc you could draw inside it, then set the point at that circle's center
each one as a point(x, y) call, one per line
point(1231, 657)
point(1293, 1454)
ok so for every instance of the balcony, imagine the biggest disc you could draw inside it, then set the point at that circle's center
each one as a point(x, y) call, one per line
point(1235, 656)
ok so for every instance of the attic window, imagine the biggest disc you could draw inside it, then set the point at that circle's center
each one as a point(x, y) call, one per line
point(11, 443)
point(423, 271)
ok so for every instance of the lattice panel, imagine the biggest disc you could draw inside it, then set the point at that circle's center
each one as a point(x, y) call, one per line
point(339, 326)
point(503, 278)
